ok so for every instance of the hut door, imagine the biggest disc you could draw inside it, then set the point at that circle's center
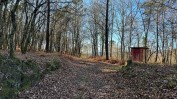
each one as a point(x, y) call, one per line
point(136, 55)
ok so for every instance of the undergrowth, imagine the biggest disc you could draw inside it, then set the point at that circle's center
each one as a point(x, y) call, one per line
point(18, 75)
point(52, 66)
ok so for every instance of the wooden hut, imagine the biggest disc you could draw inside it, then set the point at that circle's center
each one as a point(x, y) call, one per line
point(138, 54)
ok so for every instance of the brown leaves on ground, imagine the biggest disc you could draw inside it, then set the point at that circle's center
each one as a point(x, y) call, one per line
point(76, 79)
point(148, 81)
point(81, 79)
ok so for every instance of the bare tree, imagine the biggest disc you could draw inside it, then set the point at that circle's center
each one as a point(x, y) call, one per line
point(48, 26)
point(107, 30)
point(14, 27)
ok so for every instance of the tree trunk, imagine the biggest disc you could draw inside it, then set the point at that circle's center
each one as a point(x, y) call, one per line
point(5, 26)
point(1, 26)
point(122, 41)
point(59, 42)
point(157, 39)
point(172, 41)
point(40, 43)
point(51, 40)
point(112, 27)
point(131, 29)
point(102, 40)
point(176, 52)
point(163, 38)
point(25, 31)
point(14, 26)
point(48, 26)
point(117, 50)
point(146, 39)
point(167, 50)
point(107, 31)
point(138, 40)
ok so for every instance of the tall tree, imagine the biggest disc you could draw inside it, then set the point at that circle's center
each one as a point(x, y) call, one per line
point(112, 28)
point(48, 26)
point(14, 28)
point(30, 27)
point(1, 25)
point(107, 30)
point(157, 34)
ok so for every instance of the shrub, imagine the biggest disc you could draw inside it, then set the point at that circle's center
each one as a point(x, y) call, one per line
point(29, 74)
point(16, 75)
point(53, 65)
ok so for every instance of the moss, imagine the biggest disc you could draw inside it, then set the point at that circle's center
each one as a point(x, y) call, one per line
point(29, 74)
point(26, 85)
point(170, 83)
point(80, 96)
point(126, 69)
point(129, 62)
point(53, 65)
point(8, 93)
point(1, 58)
point(18, 75)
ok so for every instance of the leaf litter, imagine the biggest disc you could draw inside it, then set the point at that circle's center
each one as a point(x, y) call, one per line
point(80, 79)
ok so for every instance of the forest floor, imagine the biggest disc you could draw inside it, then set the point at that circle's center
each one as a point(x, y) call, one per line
point(83, 79)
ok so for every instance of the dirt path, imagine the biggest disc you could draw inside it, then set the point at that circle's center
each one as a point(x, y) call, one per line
point(82, 79)
point(75, 80)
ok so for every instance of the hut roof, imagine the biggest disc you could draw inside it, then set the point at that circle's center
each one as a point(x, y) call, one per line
point(139, 47)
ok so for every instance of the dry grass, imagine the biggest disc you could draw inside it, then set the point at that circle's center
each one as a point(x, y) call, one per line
point(96, 59)
point(103, 59)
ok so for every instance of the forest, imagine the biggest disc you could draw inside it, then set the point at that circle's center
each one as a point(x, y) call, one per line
point(88, 49)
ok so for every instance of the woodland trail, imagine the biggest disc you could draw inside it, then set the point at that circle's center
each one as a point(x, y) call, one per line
point(83, 79)
point(76, 79)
